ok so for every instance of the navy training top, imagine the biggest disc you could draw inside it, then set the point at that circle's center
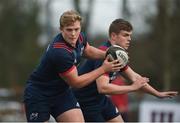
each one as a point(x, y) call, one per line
point(89, 97)
point(59, 59)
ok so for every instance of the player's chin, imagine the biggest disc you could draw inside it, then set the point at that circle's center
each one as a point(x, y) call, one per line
point(127, 47)
point(73, 42)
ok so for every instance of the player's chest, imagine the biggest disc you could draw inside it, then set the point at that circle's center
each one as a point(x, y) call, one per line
point(77, 53)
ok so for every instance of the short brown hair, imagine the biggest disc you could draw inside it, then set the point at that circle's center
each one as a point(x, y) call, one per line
point(69, 17)
point(119, 25)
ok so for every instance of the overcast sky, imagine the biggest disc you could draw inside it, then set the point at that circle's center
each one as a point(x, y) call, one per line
point(104, 12)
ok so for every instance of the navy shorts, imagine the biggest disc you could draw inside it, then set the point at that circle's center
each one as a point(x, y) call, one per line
point(105, 112)
point(39, 108)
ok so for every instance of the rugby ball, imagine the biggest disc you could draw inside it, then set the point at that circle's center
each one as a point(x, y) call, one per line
point(116, 52)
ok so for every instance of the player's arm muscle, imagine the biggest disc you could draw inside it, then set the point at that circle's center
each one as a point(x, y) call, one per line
point(105, 87)
point(93, 53)
point(74, 80)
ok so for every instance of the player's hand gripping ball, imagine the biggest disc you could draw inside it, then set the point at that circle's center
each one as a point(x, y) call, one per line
point(116, 52)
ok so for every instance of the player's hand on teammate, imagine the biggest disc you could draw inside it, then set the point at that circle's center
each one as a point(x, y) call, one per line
point(167, 94)
point(111, 66)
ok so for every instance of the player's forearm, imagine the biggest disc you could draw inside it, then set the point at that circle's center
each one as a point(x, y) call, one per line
point(94, 53)
point(115, 89)
point(88, 78)
point(150, 90)
point(130, 74)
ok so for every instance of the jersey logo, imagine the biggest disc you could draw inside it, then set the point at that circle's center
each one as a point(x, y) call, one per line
point(75, 61)
point(33, 116)
point(77, 104)
point(82, 49)
point(75, 56)
point(117, 110)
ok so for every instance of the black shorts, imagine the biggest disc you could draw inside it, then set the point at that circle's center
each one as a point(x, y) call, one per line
point(105, 112)
point(39, 108)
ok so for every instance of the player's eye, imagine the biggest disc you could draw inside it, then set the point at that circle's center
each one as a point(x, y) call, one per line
point(69, 30)
point(77, 29)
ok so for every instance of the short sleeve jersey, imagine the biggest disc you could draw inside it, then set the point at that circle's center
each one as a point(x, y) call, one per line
point(89, 97)
point(59, 59)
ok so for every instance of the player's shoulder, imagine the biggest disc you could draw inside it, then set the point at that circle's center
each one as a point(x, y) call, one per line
point(82, 37)
point(61, 47)
point(59, 50)
point(104, 46)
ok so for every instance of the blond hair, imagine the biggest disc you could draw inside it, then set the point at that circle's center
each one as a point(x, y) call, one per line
point(69, 17)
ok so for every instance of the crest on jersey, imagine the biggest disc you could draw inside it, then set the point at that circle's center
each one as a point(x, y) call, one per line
point(77, 104)
point(33, 116)
point(82, 49)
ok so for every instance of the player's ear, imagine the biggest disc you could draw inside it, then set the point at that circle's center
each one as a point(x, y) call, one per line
point(113, 35)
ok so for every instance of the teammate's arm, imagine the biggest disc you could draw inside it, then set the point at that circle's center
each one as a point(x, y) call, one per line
point(74, 80)
point(105, 87)
point(93, 53)
point(133, 76)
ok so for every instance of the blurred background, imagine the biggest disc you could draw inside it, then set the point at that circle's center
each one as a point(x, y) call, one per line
point(27, 26)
